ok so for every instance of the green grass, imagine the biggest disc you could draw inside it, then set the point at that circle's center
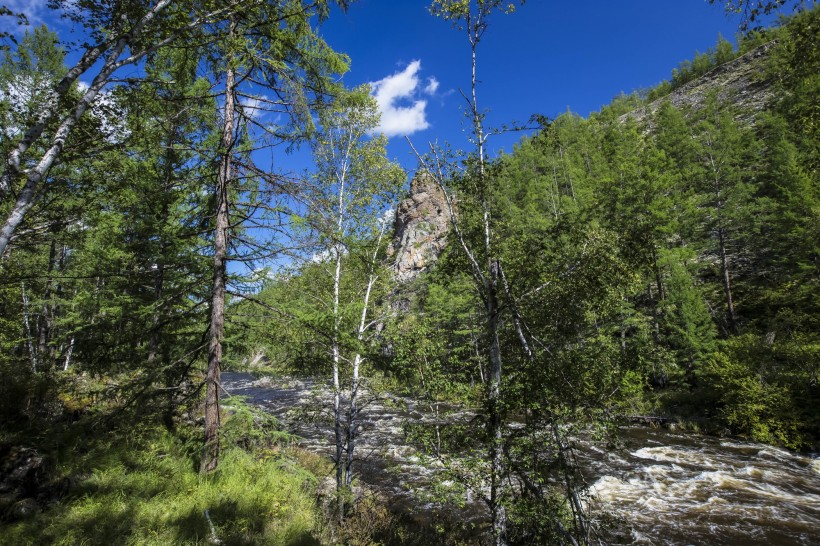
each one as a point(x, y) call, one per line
point(141, 487)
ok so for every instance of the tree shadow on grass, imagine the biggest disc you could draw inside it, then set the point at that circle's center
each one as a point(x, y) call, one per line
point(233, 526)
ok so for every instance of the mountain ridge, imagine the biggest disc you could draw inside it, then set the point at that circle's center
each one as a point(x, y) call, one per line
point(742, 80)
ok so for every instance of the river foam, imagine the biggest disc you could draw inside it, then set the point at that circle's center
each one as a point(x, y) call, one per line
point(666, 488)
point(710, 492)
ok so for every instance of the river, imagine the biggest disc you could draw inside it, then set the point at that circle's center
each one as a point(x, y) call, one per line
point(668, 488)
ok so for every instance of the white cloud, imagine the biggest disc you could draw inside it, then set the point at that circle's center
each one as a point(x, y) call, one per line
point(392, 95)
point(432, 86)
point(388, 217)
point(252, 107)
point(326, 255)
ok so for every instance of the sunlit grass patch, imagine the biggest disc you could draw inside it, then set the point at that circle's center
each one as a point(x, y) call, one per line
point(144, 489)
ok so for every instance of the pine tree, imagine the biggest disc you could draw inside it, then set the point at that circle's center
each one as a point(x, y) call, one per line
point(724, 154)
point(273, 45)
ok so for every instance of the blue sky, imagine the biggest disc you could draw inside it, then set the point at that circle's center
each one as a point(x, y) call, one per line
point(545, 58)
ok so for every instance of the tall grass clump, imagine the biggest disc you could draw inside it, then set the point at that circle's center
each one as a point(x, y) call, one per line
point(142, 487)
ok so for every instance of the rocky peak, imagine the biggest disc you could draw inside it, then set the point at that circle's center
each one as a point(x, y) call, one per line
point(422, 225)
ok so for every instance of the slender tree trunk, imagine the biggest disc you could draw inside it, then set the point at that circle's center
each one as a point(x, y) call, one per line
point(486, 277)
point(727, 283)
point(579, 518)
point(70, 349)
point(44, 324)
point(623, 334)
point(721, 232)
point(497, 509)
point(159, 280)
point(516, 317)
point(68, 354)
point(656, 325)
point(30, 340)
point(337, 387)
point(352, 422)
point(339, 436)
point(499, 514)
point(570, 185)
point(557, 190)
point(56, 309)
point(658, 276)
point(353, 411)
point(156, 328)
point(210, 454)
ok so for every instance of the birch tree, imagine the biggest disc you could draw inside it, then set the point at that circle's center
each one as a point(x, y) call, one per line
point(472, 18)
point(121, 35)
point(355, 182)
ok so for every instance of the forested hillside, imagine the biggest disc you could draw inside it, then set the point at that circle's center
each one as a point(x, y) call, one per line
point(711, 208)
point(658, 260)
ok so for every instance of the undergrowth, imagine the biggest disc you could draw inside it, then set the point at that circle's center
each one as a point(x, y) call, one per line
point(140, 486)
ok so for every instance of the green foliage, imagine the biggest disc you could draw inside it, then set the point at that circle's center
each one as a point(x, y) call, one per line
point(702, 63)
point(691, 331)
point(668, 265)
point(251, 428)
point(628, 252)
point(756, 391)
point(716, 222)
point(721, 53)
point(752, 10)
point(795, 65)
point(441, 347)
point(27, 74)
point(539, 520)
point(25, 396)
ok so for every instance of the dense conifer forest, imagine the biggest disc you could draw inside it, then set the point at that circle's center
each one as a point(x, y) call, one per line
point(657, 261)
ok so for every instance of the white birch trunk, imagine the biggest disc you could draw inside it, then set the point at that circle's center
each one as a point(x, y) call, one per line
point(337, 387)
point(68, 354)
point(29, 338)
point(353, 411)
point(113, 61)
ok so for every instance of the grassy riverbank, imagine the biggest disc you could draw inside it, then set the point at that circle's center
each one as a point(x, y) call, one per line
point(86, 469)
point(140, 486)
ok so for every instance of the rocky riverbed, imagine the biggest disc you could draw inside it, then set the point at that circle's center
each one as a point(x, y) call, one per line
point(668, 488)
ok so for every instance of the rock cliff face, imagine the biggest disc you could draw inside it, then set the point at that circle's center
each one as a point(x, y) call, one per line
point(742, 81)
point(422, 225)
point(423, 220)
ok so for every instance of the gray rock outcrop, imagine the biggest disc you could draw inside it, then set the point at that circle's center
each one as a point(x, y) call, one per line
point(742, 81)
point(422, 226)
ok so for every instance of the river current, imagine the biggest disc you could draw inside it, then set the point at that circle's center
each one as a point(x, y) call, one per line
point(668, 488)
